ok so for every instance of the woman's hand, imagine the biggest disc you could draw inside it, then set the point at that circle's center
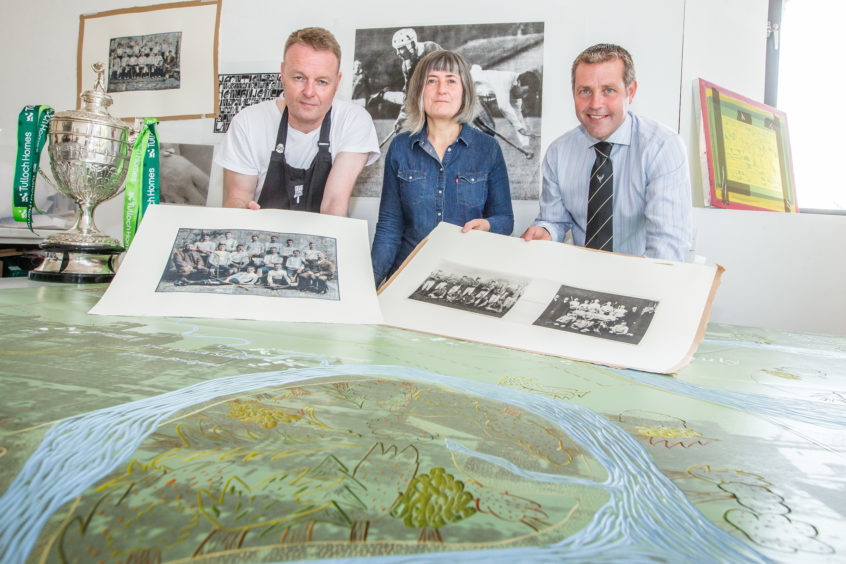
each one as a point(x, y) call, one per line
point(478, 223)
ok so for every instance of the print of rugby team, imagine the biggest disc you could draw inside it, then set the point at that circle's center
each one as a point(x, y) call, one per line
point(273, 265)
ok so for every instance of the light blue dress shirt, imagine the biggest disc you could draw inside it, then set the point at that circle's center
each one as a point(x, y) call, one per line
point(653, 215)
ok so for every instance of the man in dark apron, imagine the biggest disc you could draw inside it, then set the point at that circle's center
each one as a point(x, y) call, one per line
point(311, 160)
point(289, 188)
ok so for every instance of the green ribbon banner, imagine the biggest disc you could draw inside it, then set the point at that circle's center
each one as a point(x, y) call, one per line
point(142, 179)
point(32, 135)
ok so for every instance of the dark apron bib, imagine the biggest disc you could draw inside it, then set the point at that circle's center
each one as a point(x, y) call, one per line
point(289, 188)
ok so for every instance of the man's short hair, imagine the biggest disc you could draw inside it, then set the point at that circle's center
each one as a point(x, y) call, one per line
point(600, 53)
point(441, 60)
point(317, 38)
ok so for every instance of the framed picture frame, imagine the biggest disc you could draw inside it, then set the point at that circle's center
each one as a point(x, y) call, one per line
point(161, 60)
point(745, 152)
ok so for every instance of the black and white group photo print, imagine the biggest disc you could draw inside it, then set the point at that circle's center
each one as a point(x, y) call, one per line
point(144, 62)
point(506, 61)
point(476, 291)
point(249, 262)
point(598, 314)
point(237, 91)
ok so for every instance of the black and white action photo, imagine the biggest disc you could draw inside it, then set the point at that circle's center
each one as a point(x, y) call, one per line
point(257, 263)
point(184, 171)
point(144, 62)
point(607, 316)
point(506, 61)
point(472, 290)
point(237, 91)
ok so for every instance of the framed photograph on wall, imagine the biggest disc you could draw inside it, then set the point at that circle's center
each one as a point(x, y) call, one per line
point(161, 60)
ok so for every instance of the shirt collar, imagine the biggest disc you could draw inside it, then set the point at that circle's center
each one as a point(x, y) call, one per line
point(622, 136)
point(464, 136)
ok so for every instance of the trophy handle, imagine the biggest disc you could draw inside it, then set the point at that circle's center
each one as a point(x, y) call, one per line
point(135, 130)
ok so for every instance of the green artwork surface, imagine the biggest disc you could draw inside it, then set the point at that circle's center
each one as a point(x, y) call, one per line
point(165, 439)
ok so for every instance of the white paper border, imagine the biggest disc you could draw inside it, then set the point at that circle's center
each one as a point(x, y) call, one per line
point(683, 290)
point(133, 290)
point(198, 23)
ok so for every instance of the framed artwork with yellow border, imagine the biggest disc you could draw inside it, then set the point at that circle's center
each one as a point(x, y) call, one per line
point(746, 147)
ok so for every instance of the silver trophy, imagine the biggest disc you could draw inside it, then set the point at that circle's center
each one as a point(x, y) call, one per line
point(89, 156)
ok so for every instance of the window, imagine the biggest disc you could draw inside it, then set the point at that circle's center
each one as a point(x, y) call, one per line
point(806, 80)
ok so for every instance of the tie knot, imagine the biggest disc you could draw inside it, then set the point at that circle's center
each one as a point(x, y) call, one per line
point(603, 148)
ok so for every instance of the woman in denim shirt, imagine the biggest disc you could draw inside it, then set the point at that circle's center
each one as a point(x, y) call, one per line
point(440, 168)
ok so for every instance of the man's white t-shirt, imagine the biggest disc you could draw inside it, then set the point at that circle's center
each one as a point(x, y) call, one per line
point(252, 137)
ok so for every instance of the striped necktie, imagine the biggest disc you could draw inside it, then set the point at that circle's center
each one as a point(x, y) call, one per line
point(599, 233)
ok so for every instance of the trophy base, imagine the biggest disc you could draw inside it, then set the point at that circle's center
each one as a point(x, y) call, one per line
point(76, 264)
point(73, 240)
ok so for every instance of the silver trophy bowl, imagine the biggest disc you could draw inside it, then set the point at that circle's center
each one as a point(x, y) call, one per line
point(89, 156)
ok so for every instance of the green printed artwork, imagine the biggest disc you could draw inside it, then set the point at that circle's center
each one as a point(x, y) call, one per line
point(747, 150)
point(174, 440)
point(302, 468)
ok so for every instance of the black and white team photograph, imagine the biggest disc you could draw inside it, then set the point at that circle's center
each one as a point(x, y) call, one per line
point(237, 91)
point(476, 291)
point(257, 263)
point(597, 314)
point(506, 63)
point(144, 62)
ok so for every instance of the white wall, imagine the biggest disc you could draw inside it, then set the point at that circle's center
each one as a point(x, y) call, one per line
point(673, 43)
point(782, 270)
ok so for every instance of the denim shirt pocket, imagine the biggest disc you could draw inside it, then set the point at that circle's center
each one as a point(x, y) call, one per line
point(471, 189)
point(411, 185)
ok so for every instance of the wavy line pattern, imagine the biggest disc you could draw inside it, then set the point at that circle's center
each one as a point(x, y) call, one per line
point(813, 412)
point(646, 518)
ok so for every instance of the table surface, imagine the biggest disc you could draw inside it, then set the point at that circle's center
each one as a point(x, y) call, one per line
point(169, 439)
